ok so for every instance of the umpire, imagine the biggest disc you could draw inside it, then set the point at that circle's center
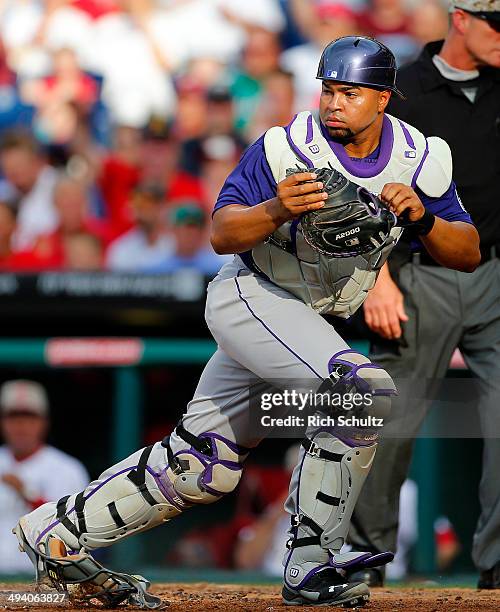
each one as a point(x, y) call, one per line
point(426, 311)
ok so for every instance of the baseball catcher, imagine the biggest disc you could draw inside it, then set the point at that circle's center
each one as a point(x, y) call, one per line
point(309, 238)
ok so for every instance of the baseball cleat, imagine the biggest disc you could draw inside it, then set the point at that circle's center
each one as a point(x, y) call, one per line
point(326, 588)
point(80, 575)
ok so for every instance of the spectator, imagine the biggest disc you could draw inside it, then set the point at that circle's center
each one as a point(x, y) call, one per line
point(132, 50)
point(260, 57)
point(191, 108)
point(73, 208)
point(276, 105)
point(121, 172)
point(429, 22)
point(147, 244)
point(326, 22)
point(8, 214)
point(389, 21)
point(219, 121)
point(220, 155)
point(266, 14)
point(31, 472)
point(62, 97)
point(83, 252)
point(25, 168)
point(192, 250)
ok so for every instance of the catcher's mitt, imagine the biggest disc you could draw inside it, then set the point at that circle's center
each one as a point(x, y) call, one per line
point(352, 222)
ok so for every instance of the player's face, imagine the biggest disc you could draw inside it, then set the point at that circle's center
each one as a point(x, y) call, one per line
point(347, 110)
point(482, 39)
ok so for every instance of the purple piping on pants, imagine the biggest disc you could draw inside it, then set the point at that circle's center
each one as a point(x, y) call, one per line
point(309, 135)
point(272, 333)
point(386, 145)
point(409, 139)
point(295, 148)
point(420, 166)
point(51, 526)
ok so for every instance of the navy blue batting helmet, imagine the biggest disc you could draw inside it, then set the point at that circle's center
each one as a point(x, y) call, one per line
point(359, 60)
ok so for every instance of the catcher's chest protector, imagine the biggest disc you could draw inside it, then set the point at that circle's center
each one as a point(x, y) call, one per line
point(331, 285)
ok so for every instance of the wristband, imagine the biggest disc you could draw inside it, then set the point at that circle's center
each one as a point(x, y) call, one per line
point(423, 226)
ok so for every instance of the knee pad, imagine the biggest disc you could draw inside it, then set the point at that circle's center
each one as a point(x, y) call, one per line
point(210, 467)
point(353, 373)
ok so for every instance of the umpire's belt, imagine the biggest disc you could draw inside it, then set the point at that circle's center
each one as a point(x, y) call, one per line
point(487, 254)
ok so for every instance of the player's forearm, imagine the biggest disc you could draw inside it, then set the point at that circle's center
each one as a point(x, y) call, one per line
point(237, 228)
point(454, 245)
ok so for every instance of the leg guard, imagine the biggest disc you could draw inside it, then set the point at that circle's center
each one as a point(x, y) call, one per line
point(148, 488)
point(330, 476)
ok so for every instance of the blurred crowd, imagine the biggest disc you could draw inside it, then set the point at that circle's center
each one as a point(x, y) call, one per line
point(120, 119)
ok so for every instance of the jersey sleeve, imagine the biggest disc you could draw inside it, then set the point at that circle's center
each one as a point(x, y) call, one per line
point(251, 182)
point(448, 207)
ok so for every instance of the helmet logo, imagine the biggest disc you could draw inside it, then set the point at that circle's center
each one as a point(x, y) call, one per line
point(314, 148)
point(332, 74)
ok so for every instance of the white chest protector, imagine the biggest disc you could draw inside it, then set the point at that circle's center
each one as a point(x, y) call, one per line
point(332, 285)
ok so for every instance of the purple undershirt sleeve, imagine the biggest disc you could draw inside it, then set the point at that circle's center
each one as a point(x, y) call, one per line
point(251, 182)
point(448, 207)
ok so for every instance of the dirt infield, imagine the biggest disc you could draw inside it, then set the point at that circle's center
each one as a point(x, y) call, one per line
point(203, 597)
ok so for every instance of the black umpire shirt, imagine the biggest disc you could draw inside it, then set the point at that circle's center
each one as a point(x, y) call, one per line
point(438, 107)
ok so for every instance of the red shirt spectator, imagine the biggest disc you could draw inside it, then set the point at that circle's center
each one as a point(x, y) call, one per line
point(96, 8)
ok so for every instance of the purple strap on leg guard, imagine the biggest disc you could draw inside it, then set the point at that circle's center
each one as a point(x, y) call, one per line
point(364, 562)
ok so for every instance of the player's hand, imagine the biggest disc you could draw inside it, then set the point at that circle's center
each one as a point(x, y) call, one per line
point(295, 198)
point(401, 198)
point(384, 309)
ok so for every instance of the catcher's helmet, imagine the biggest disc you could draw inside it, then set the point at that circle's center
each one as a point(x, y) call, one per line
point(359, 60)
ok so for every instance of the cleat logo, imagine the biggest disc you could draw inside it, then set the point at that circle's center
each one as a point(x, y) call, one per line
point(294, 572)
point(333, 588)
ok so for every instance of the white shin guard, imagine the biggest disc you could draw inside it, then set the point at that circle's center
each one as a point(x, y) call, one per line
point(331, 477)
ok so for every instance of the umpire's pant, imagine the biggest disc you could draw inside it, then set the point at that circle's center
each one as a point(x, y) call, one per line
point(446, 309)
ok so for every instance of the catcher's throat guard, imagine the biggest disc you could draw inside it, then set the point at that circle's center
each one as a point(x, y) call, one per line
point(353, 221)
point(83, 578)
